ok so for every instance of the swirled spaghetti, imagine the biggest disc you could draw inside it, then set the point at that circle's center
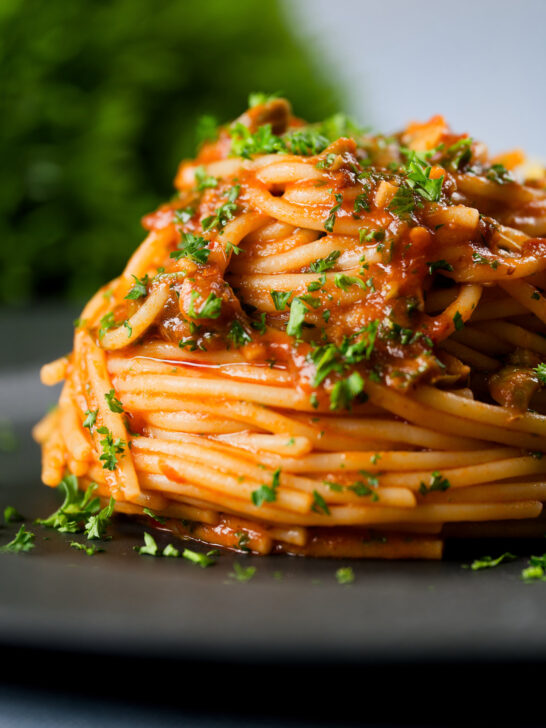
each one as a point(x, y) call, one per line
point(330, 343)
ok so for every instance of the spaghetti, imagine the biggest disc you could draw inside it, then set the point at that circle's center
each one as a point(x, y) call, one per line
point(330, 343)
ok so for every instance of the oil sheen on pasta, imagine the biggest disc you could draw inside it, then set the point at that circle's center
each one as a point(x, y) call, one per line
point(330, 343)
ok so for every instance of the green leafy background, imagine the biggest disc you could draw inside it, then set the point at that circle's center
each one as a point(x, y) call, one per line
point(98, 103)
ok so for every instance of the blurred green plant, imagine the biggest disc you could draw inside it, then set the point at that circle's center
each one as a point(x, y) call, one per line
point(99, 101)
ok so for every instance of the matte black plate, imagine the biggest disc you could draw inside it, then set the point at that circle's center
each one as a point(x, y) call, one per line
point(120, 602)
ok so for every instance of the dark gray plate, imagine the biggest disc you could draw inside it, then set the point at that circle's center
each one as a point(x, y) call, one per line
point(118, 602)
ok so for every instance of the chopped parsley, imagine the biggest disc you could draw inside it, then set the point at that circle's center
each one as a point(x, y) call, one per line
point(418, 178)
point(140, 289)
point(298, 310)
point(344, 391)
point(89, 550)
point(110, 448)
point(437, 482)
point(488, 562)
point(237, 334)
point(114, 405)
point(198, 559)
point(439, 265)
point(211, 308)
point(21, 543)
point(242, 573)
point(193, 247)
point(225, 212)
point(244, 143)
point(319, 504)
point(345, 575)
point(324, 264)
point(307, 141)
point(499, 174)
point(106, 323)
point(280, 299)
point(344, 281)
point(458, 321)
point(540, 371)
point(96, 525)
point(150, 547)
point(331, 219)
point(203, 180)
point(267, 493)
point(78, 506)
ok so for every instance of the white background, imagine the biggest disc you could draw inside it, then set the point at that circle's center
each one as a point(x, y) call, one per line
point(481, 63)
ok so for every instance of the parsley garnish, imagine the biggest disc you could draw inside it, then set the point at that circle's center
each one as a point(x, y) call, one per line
point(437, 482)
point(267, 493)
point(344, 281)
point(242, 573)
point(280, 299)
point(331, 219)
point(140, 288)
point(458, 321)
point(345, 575)
point(89, 550)
point(203, 180)
point(23, 542)
point(324, 264)
point(298, 310)
point(488, 562)
point(225, 212)
point(113, 402)
point(403, 202)
point(106, 323)
point(96, 525)
point(244, 143)
point(540, 371)
point(150, 546)
point(210, 309)
point(110, 448)
point(198, 559)
point(77, 506)
point(439, 265)
point(345, 390)
point(193, 247)
point(153, 515)
point(319, 504)
point(307, 141)
point(418, 178)
point(499, 174)
point(237, 334)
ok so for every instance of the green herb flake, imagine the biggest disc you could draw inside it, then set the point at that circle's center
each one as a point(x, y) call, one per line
point(298, 310)
point(21, 543)
point(437, 482)
point(140, 289)
point(203, 180)
point(96, 525)
point(242, 573)
point(114, 405)
point(150, 547)
point(153, 515)
point(89, 550)
point(280, 299)
point(345, 575)
point(488, 562)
